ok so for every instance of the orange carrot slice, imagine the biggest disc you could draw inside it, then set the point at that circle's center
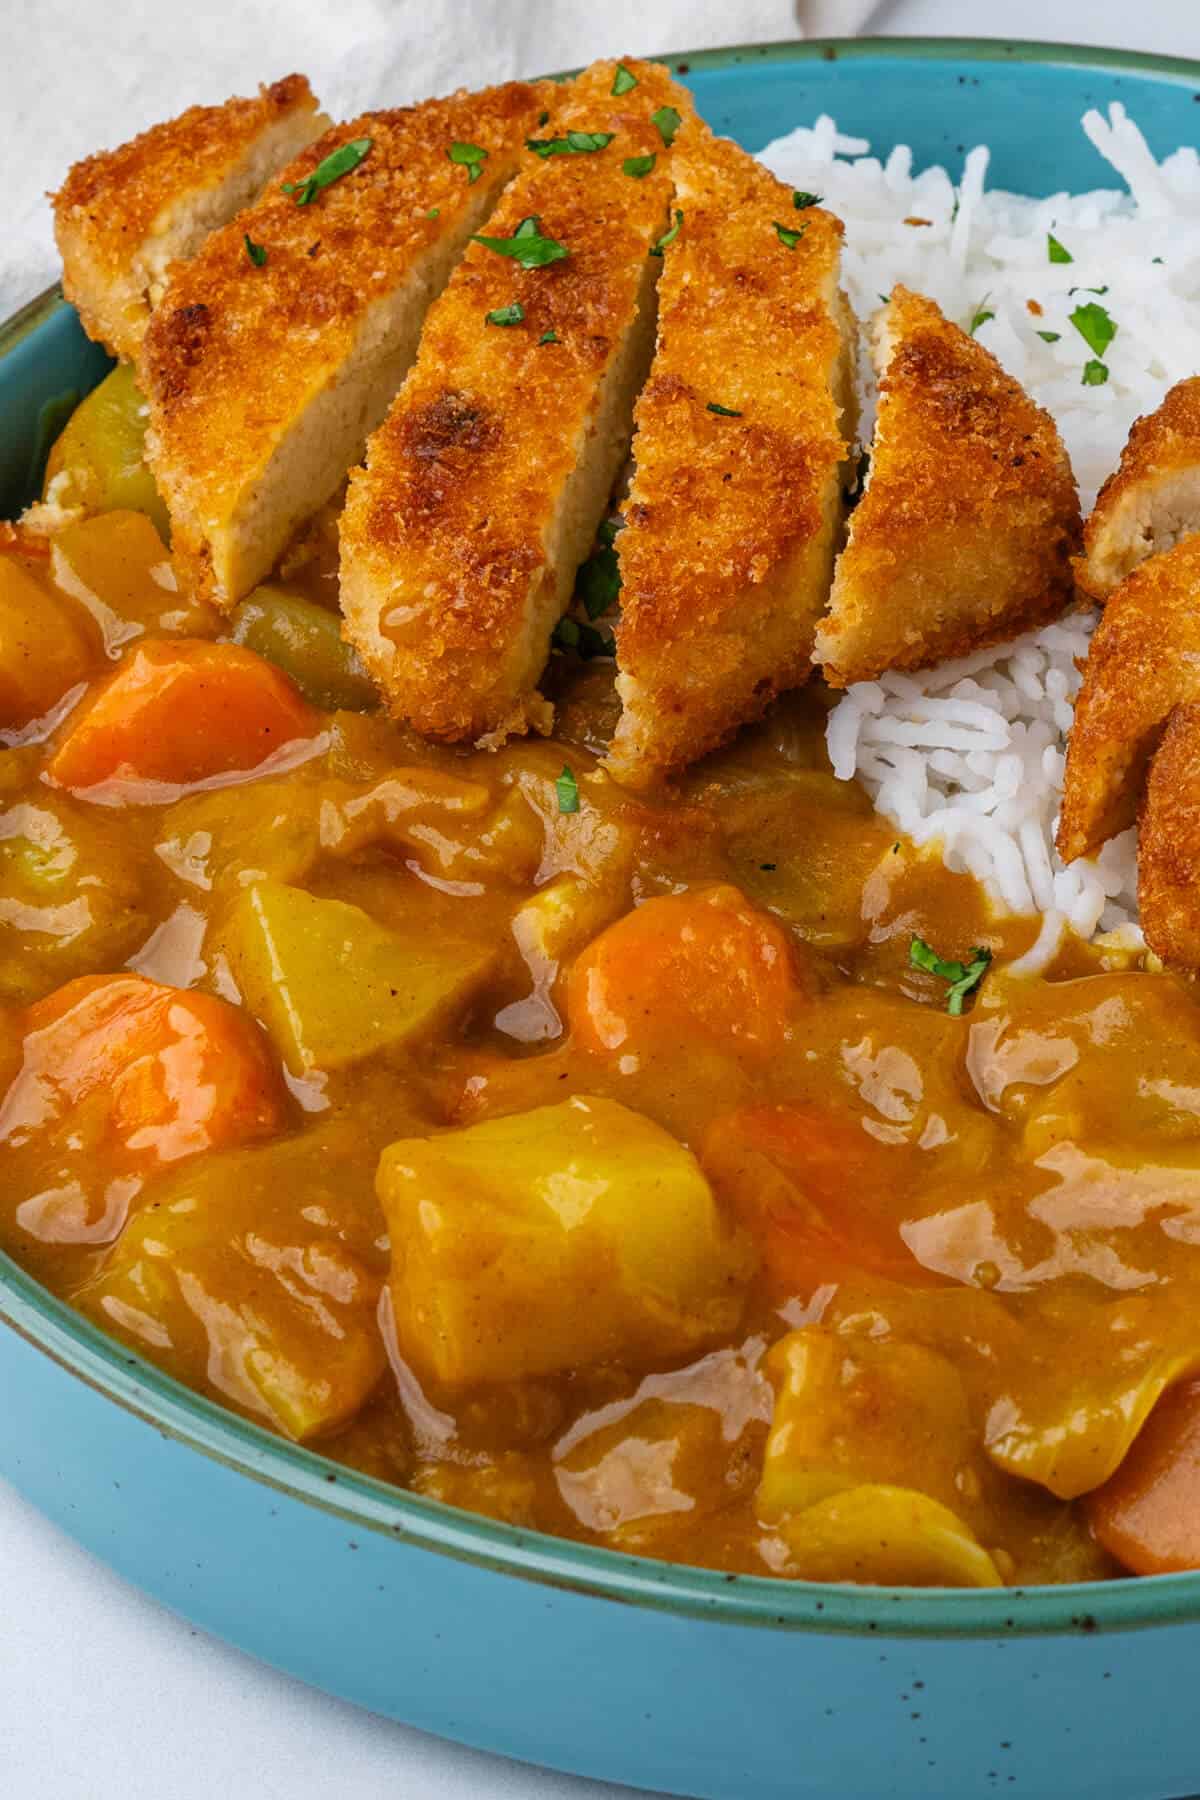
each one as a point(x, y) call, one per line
point(1148, 1513)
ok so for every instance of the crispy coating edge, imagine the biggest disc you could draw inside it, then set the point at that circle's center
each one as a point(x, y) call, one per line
point(1169, 842)
point(1160, 444)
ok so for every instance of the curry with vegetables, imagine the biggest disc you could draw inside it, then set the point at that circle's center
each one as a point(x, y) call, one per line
point(679, 1171)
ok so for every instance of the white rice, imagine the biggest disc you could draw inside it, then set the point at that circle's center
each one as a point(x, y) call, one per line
point(969, 756)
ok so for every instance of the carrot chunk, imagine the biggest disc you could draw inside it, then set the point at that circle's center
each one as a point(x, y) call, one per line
point(160, 1072)
point(1148, 1513)
point(704, 963)
point(180, 711)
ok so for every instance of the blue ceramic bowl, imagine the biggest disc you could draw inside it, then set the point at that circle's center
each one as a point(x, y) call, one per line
point(665, 1677)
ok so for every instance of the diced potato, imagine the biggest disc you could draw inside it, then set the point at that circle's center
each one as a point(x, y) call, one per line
point(70, 901)
point(99, 460)
point(118, 568)
point(333, 987)
point(281, 1318)
point(569, 1235)
point(262, 830)
point(47, 644)
point(853, 1410)
point(887, 1537)
point(305, 641)
point(556, 922)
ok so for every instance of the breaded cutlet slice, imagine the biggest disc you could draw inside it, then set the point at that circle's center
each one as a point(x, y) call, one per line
point(1143, 662)
point(1169, 843)
point(482, 491)
point(1152, 499)
point(122, 217)
point(736, 503)
point(265, 378)
point(965, 532)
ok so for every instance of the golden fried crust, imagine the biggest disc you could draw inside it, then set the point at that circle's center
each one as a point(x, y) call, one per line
point(110, 204)
point(965, 532)
point(1169, 843)
point(1144, 661)
point(727, 549)
point(1152, 499)
point(451, 578)
point(237, 353)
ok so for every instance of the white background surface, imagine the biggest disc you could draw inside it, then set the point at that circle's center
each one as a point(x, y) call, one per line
point(103, 1695)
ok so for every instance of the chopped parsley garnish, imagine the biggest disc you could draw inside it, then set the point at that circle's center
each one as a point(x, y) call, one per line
point(526, 246)
point(1049, 337)
point(576, 143)
point(606, 531)
point(256, 252)
point(668, 237)
point(339, 162)
point(982, 315)
point(668, 122)
point(726, 412)
point(637, 166)
point(1095, 373)
point(800, 200)
point(543, 118)
point(964, 978)
point(567, 789)
point(1086, 290)
point(1055, 251)
point(471, 156)
point(1094, 326)
point(549, 337)
point(623, 80)
point(598, 582)
point(584, 640)
point(790, 235)
point(433, 212)
point(507, 315)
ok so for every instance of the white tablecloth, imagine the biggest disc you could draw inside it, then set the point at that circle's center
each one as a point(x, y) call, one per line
point(103, 1695)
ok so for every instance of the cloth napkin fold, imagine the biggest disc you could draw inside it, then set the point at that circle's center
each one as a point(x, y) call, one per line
point(80, 77)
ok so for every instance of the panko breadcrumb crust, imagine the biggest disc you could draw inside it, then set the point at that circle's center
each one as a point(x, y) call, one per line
point(109, 204)
point(965, 533)
point(1144, 661)
point(1162, 447)
point(445, 570)
point(1169, 843)
point(237, 352)
point(730, 524)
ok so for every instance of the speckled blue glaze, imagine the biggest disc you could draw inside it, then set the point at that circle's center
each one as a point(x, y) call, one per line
point(661, 1677)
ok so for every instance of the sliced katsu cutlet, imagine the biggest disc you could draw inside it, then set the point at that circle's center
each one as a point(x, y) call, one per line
point(123, 217)
point(482, 491)
point(965, 532)
point(1152, 499)
point(733, 515)
point(278, 348)
point(1169, 843)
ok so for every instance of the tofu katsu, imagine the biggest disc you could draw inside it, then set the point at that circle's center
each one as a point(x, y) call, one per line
point(965, 531)
point(1169, 842)
point(483, 490)
point(278, 349)
point(123, 217)
point(743, 427)
point(1152, 499)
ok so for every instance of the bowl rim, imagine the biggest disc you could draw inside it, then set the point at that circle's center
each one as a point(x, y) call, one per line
point(81, 1349)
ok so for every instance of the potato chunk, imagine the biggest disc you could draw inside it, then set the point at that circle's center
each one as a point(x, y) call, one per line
point(559, 1237)
point(332, 986)
point(47, 644)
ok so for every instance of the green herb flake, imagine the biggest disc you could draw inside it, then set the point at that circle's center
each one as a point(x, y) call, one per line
point(598, 583)
point(801, 200)
point(623, 80)
point(433, 212)
point(1050, 337)
point(964, 978)
point(576, 143)
point(1094, 326)
point(471, 156)
point(668, 122)
point(567, 789)
point(256, 252)
point(982, 315)
point(339, 162)
point(526, 246)
point(1057, 252)
point(549, 337)
point(584, 640)
point(606, 531)
point(668, 237)
point(1087, 290)
point(1095, 373)
point(639, 166)
point(507, 315)
point(543, 119)
point(726, 412)
point(790, 235)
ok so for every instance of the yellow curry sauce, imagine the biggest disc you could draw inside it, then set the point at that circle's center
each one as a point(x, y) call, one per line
point(596, 1162)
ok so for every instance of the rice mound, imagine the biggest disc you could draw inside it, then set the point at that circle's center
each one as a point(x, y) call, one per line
point(970, 755)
